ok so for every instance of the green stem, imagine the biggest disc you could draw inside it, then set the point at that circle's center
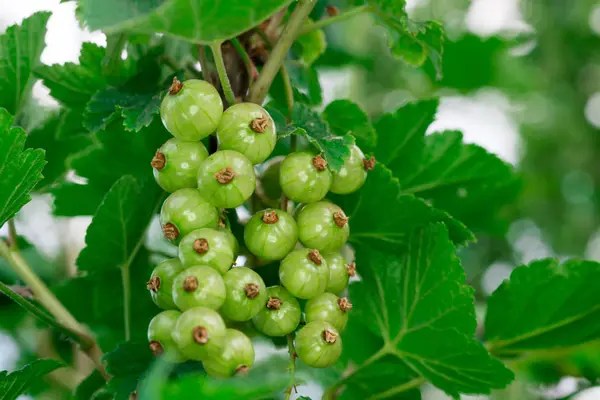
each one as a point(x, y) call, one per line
point(289, 91)
point(331, 20)
point(222, 71)
point(288, 36)
point(12, 235)
point(245, 58)
point(292, 367)
point(126, 278)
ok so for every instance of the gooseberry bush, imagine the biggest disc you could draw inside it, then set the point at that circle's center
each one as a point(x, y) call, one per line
point(247, 239)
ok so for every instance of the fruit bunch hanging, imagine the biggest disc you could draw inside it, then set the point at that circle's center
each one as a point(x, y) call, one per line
point(202, 292)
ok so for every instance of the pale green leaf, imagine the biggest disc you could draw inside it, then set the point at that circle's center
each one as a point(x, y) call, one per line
point(310, 46)
point(19, 382)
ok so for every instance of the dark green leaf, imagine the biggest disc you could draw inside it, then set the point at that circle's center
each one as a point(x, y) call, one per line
point(90, 386)
point(126, 364)
point(345, 117)
point(20, 50)
point(414, 320)
point(305, 83)
point(20, 170)
point(15, 384)
point(545, 305)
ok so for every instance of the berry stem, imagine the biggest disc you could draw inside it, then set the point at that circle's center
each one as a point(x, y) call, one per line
point(12, 235)
point(331, 20)
point(126, 279)
point(292, 367)
point(222, 71)
point(250, 68)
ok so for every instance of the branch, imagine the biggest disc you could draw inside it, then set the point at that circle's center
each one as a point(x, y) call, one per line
point(331, 20)
point(222, 71)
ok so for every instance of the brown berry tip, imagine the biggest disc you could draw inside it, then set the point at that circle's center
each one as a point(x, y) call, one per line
point(153, 284)
point(225, 175)
point(242, 370)
point(329, 336)
point(260, 124)
point(344, 304)
point(200, 246)
point(133, 396)
point(176, 86)
point(190, 284)
point(369, 164)
point(156, 348)
point(170, 231)
point(332, 11)
point(200, 334)
point(252, 290)
point(222, 224)
point(319, 163)
point(274, 303)
point(270, 217)
point(340, 218)
point(351, 269)
point(159, 161)
point(315, 257)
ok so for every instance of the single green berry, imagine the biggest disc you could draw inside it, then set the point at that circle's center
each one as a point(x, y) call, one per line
point(246, 294)
point(280, 315)
point(207, 247)
point(353, 173)
point(323, 226)
point(304, 177)
point(222, 227)
point(226, 179)
point(175, 164)
point(271, 234)
point(247, 128)
point(159, 336)
point(199, 286)
point(268, 187)
point(200, 333)
point(236, 359)
point(304, 273)
point(184, 211)
point(191, 110)
point(318, 344)
point(339, 272)
point(329, 308)
point(161, 281)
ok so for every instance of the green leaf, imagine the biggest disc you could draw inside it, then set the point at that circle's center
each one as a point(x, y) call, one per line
point(20, 50)
point(310, 46)
point(16, 383)
point(126, 364)
point(90, 386)
point(544, 306)
point(194, 20)
point(346, 117)
point(20, 170)
point(383, 218)
point(413, 320)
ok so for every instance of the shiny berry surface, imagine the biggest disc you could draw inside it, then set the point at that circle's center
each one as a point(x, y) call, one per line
point(159, 336)
point(304, 273)
point(198, 286)
point(318, 344)
point(304, 177)
point(161, 282)
point(329, 308)
point(352, 175)
point(323, 226)
point(338, 273)
point(271, 234)
point(200, 333)
point(246, 294)
point(208, 247)
point(280, 315)
point(184, 211)
point(237, 356)
point(175, 164)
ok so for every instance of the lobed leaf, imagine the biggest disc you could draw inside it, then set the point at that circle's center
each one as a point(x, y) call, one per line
point(345, 117)
point(19, 382)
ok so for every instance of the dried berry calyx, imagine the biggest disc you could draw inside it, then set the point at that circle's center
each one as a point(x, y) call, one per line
point(225, 175)
point(170, 231)
point(351, 269)
point(156, 348)
point(252, 290)
point(190, 284)
point(270, 217)
point(241, 370)
point(176, 86)
point(329, 336)
point(200, 334)
point(274, 303)
point(340, 218)
point(344, 304)
point(260, 124)
point(200, 246)
point(159, 161)
point(153, 284)
point(319, 163)
point(315, 257)
point(369, 164)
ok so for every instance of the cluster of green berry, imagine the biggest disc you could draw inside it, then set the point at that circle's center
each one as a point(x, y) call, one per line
point(200, 291)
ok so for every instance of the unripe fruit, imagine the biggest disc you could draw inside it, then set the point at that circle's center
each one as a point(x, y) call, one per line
point(226, 179)
point(268, 187)
point(329, 308)
point(199, 286)
point(161, 281)
point(247, 128)
point(323, 226)
point(159, 336)
point(304, 273)
point(339, 273)
point(246, 294)
point(237, 356)
point(353, 173)
point(184, 211)
point(191, 110)
point(304, 177)
point(232, 240)
point(175, 164)
point(271, 234)
point(200, 333)
point(318, 344)
point(280, 315)
point(207, 247)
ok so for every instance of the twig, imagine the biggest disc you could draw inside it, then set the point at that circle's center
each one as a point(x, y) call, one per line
point(222, 71)
point(12, 235)
point(331, 20)
point(292, 367)
point(250, 68)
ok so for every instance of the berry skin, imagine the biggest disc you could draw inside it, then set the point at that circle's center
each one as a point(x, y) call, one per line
point(268, 187)
point(271, 234)
point(200, 333)
point(280, 315)
point(191, 110)
point(232, 240)
point(329, 308)
point(248, 129)
point(208, 247)
point(304, 273)
point(185, 211)
point(246, 294)
point(338, 273)
point(159, 336)
point(352, 175)
point(198, 286)
point(161, 281)
point(236, 358)
point(323, 226)
point(318, 344)
point(175, 164)
point(304, 177)
point(226, 179)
